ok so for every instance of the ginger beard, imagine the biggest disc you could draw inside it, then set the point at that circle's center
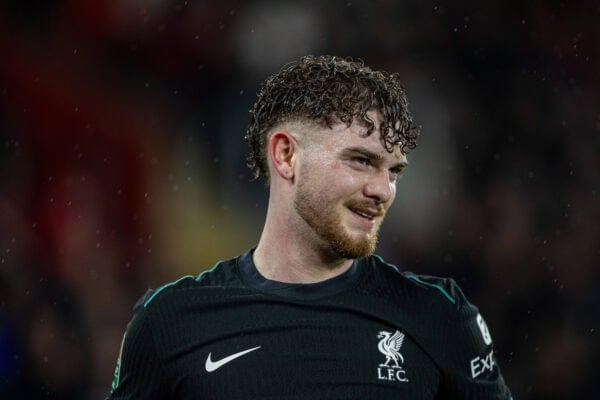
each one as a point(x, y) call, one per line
point(327, 222)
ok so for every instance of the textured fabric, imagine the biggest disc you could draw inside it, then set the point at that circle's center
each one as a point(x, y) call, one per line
point(370, 333)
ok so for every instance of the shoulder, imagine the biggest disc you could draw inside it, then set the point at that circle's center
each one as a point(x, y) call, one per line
point(420, 289)
point(221, 274)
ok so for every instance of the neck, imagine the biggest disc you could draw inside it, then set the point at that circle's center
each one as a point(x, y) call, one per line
point(289, 251)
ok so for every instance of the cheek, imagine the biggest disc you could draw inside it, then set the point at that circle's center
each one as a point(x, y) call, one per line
point(321, 174)
point(393, 192)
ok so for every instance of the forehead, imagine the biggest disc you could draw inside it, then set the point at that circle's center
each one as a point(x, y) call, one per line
point(341, 137)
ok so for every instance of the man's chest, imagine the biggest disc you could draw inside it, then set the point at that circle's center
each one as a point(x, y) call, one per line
point(283, 351)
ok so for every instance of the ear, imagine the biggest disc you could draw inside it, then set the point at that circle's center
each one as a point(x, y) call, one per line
point(283, 151)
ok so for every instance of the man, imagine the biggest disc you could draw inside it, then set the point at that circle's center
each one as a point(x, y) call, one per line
point(310, 313)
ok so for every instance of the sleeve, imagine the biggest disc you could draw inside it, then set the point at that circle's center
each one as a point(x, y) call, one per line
point(470, 367)
point(139, 373)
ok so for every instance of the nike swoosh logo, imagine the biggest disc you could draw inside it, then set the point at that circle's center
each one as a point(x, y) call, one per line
point(211, 365)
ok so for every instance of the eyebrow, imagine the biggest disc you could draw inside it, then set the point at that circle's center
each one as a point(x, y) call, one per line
point(373, 156)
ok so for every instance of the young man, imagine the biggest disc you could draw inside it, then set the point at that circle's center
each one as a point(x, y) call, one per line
point(310, 313)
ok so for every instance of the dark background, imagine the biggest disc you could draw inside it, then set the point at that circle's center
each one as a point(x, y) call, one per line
point(122, 167)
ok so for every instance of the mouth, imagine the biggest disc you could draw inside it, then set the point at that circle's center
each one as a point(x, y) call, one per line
point(365, 213)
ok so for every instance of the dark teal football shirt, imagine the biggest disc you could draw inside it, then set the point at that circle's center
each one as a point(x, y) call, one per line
point(369, 333)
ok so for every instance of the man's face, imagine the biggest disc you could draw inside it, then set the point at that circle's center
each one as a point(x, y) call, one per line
point(346, 183)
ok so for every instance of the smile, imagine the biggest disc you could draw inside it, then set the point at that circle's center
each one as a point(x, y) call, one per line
point(364, 214)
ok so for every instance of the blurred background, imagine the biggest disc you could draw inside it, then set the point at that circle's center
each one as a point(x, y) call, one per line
point(122, 167)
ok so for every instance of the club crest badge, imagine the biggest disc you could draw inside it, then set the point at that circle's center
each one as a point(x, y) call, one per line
point(392, 368)
point(117, 374)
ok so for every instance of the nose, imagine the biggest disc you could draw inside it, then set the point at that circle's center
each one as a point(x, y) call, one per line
point(379, 187)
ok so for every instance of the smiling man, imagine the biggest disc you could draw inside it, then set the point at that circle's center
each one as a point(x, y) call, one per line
point(311, 313)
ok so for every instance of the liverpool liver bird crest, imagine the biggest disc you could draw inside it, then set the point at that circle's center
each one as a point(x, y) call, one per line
point(389, 346)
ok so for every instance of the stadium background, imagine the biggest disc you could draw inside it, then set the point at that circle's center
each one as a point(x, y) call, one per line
point(122, 167)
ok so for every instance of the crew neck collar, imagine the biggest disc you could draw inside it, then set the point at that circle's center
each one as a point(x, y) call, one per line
point(252, 278)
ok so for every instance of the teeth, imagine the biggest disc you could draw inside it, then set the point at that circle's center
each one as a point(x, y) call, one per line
point(362, 214)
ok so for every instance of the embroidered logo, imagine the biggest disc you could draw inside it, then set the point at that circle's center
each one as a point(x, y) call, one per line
point(211, 365)
point(485, 332)
point(117, 374)
point(389, 345)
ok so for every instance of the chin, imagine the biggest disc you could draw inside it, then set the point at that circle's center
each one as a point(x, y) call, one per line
point(352, 249)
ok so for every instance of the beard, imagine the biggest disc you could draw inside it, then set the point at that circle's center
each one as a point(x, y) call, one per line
point(327, 223)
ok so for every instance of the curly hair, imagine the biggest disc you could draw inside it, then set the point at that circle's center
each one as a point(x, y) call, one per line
point(325, 90)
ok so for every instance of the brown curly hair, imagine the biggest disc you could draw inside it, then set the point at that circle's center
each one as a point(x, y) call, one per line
point(326, 89)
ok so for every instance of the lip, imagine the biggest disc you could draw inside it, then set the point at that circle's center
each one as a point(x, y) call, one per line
point(366, 222)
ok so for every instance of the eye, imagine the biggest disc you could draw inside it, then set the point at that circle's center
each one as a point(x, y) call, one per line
point(361, 160)
point(396, 173)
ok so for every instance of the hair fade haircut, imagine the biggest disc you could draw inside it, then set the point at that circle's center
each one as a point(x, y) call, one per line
point(326, 90)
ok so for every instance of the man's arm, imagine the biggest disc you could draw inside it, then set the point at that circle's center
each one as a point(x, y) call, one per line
point(139, 373)
point(470, 367)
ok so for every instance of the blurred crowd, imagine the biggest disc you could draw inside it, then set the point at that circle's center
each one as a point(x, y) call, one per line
point(122, 167)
